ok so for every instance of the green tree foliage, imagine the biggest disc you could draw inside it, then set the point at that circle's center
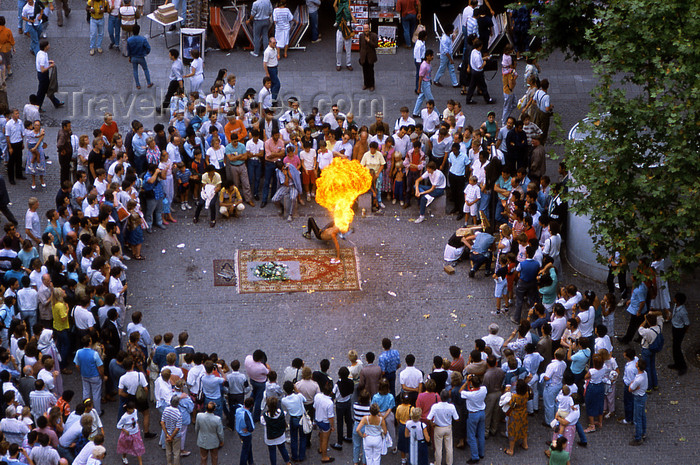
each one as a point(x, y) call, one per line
point(564, 26)
point(637, 174)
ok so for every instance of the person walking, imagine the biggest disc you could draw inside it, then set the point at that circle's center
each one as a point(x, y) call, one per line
point(176, 84)
point(368, 56)
point(5, 203)
point(128, 14)
point(426, 92)
point(343, 35)
point(32, 15)
point(62, 7)
point(476, 64)
point(447, 63)
point(270, 65)
point(210, 434)
point(97, 9)
point(43, 66)
point(137, 48)
point(114, 26)
point(260, 15)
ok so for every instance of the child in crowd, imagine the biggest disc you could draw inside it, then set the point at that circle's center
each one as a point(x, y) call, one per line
point(565, 402)
point(272, 389)
point(130, 441)
point(398, 174)
point(183, 175)
point(308, 173)
point(472, 195)
point(501, 279)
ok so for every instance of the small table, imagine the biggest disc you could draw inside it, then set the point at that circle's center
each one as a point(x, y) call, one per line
point(154, 19)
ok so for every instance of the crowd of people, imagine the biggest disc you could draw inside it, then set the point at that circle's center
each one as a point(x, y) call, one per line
point(64, 285)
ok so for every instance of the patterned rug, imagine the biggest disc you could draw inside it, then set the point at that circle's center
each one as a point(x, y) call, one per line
point(225, 273)
point(309, 270)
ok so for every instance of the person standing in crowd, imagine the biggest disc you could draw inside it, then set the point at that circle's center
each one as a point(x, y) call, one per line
point(368, 56)
point(270, 65)
point(409, 11)
point(476, 64)
point(441, 415)
point(283, 20)
point(128, 14)
point(137, 49)
point(171, 424)
point(446, 61)
point(389, 361)
point(14, 133)
point(260, 16)
point(113, 23)
point(679, 327)
point(64, 147)
point(475, 394)
point(638, 388)
point(43, 66)
point(210, 434)
point(418, 57)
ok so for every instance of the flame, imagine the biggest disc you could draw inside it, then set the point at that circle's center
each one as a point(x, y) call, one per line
point(339, 185)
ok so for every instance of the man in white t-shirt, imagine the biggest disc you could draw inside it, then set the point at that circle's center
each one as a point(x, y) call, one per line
point(410, 378)
point(493, 340)
point(436, 189)
point(332, 117)
point(430, 117)
point(405, 120)
point(128, 385)
point(475, 395)
point(270, 62)
point(265, 94)
point(255, 151)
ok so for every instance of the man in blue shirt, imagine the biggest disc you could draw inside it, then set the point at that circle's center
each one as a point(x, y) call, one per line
point(236, 170)
point(137, 48)
point(459, 161)
point(637, 308)
point(446, 61)
point(480, 251)
point(389, 361)
point(154, 197)
point(526, 275)
point(245, 428)
point(162, 351)
point(92, 373)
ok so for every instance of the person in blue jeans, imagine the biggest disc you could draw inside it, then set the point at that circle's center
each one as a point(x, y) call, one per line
point(245, 428)
point(427, 195)
point(638, 388)
point(313, 6)
point(293, 404)
point(426, 92)
point(137, 48)
point(650, 331)
point(31, 15)
point(475, 395)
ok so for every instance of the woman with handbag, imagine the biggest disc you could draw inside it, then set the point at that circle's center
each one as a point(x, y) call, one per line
point(417, 431)
point(373, 435)
point(275, 425)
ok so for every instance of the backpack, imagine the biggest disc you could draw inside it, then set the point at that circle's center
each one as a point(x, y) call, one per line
point(658, 343)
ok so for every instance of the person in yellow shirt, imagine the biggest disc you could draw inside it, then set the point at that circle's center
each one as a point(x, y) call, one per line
point(97, 9)
point(61, 325)
point(230, 200)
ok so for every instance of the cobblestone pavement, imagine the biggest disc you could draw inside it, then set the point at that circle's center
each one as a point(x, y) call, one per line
point(406, 296)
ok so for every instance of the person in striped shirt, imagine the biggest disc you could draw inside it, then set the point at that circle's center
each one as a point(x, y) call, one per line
point(40, 400)
point(171, 422)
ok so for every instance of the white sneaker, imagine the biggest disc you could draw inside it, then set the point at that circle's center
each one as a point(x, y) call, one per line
point(401, 203)
point(430, 199)
point(393, 202)
point(289, 218)
point(308, 197)
point(420, 219)
point(254, 54)
point(183, 207)
point(381, 205)
point(189, 207)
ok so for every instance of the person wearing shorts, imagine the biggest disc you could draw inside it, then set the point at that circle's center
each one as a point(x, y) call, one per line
point(324, 416)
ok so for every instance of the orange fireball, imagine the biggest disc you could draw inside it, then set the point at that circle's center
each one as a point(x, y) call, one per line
point(339, 185)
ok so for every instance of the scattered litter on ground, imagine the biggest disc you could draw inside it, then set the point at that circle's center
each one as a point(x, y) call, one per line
point(391, 293)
